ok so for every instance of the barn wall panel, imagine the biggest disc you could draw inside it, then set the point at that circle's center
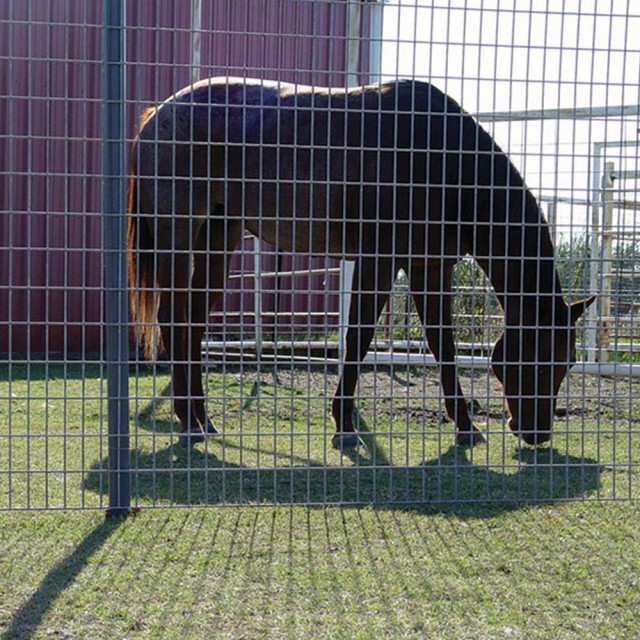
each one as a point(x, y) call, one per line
point(50, 127)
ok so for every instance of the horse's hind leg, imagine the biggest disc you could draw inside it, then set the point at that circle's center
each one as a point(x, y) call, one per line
point(211, 262)
point(174, 276)
point(433, 303)
point(371, 287)
point(199, 305)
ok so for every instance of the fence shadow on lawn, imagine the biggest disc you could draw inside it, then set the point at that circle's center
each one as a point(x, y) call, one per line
point(454, 481)
point(26, 620)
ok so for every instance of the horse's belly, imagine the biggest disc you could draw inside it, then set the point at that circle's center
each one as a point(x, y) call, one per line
point(301, 217)
point(314, 237)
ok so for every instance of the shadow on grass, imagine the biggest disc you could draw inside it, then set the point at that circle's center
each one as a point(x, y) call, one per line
point(456, 480)
point(51, 369)
point(452, 482)
point(27, 619)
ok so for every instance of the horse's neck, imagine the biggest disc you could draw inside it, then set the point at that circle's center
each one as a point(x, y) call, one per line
point(530, 308)
point(527, 283)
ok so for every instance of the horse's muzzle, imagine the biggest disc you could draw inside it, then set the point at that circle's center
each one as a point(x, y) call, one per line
point(533, 437)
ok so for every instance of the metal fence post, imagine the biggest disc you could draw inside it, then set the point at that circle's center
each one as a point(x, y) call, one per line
point(346, 287)
point(114, 245)
point(606, 262)
point(196, 38)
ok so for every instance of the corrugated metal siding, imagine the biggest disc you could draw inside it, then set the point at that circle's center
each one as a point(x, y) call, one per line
point(50, 127)
point(299, 41)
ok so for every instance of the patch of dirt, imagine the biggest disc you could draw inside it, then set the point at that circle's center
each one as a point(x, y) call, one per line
point(416, 392)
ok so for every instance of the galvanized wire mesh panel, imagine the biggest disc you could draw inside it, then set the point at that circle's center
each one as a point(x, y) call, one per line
point(52, 407)
point(556, 90)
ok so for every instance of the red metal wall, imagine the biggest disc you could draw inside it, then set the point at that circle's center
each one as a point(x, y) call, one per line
point(50, 177)
point(50, 130)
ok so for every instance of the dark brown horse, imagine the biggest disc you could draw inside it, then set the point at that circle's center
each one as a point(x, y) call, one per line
point(392, 176)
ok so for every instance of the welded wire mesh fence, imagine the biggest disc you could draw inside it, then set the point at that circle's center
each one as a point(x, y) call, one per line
point(321, 200)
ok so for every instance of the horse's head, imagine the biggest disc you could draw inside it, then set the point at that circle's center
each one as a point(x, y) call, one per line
point(531, 364)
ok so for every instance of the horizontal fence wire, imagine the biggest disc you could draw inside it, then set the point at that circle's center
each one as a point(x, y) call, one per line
point(300, 237)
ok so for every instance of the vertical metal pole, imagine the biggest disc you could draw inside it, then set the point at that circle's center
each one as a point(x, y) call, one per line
point(375, 41)
point(196, 33)
point(347, 268)
point(354, 17)
point(606, 261)
point(257, 295)
point(593, 312)
point(115, 259)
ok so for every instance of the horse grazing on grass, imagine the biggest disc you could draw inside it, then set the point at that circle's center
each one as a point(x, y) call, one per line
point(392, 176)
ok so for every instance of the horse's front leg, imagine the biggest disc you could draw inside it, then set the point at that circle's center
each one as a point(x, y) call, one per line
point(433, 303)
point(199, 310)
point(371, 286)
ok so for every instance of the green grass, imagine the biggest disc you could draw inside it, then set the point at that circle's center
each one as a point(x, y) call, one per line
point(502, 541)
point(566, 571)
point(276, 447)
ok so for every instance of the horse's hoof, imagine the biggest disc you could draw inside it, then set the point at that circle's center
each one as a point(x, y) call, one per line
point(210, 430)
point(469, 438)
point(343, 441)
point(189, 438)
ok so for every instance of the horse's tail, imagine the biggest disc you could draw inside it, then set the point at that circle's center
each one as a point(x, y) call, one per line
point(141, 267)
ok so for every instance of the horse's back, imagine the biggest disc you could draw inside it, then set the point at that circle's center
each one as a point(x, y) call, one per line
point(227, 109)
point(329, 170)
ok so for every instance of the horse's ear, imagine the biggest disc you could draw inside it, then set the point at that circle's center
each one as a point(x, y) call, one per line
point(578, 308)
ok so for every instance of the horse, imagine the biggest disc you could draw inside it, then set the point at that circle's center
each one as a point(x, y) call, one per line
point(391, 176)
